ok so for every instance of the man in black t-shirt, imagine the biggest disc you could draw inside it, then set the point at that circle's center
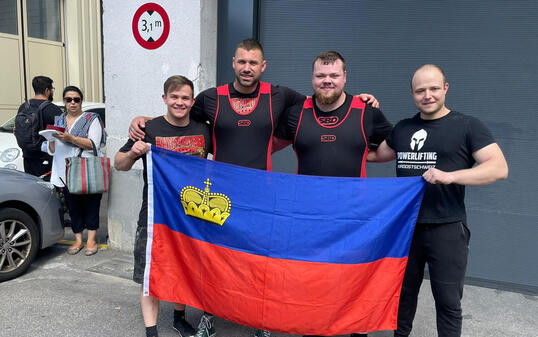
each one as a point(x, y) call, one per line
point(443, 146)
point(37, 162)
point(177, 132)
point(244, 117)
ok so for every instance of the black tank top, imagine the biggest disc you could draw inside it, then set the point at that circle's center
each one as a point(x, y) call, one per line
point(242, 133)
point(332, 144)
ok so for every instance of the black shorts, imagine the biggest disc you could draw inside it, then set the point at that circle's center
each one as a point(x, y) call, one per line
point(141, 240)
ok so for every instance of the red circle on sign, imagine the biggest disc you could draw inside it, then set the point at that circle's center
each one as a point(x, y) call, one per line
point(166, 26)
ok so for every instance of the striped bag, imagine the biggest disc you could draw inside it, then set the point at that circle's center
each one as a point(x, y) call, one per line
point(87, 175)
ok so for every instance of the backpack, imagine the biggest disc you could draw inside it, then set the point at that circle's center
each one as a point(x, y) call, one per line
point(28, 123)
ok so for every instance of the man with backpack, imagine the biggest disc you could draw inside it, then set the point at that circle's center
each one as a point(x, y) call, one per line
point(32, 117)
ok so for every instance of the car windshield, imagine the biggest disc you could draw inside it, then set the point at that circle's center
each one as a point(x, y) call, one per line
point(8, 126)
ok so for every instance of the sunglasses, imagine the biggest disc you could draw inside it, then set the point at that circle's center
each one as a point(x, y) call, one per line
point(70, 99)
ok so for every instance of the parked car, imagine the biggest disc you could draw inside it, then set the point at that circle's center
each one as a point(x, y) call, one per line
point(31, 218)
point(11, 153)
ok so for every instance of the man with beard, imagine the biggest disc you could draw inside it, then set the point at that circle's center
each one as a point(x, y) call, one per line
point(243, 116)
point(333, 132)
point(32, 117)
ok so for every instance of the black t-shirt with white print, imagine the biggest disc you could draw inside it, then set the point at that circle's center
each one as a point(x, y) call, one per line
point(193, 139)
point(446, 143)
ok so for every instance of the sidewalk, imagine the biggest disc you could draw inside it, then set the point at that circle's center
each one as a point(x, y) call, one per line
point(64, 295)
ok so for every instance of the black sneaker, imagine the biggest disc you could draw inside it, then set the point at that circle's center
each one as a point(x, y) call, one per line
point(183, 328)
point(262, 333)
point(206, 328)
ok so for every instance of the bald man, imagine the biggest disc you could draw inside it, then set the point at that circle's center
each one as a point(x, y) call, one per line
point(443, 146)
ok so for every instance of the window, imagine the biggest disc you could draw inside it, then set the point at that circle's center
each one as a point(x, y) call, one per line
point(44, 19)
point(8, 17)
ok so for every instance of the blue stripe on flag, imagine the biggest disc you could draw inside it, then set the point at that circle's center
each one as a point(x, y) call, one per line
point(306, 218)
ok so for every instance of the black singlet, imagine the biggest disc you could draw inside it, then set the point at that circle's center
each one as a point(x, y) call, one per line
point(331, 145)
point(242, 127)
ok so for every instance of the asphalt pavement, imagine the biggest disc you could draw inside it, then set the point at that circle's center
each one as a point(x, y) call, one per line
point(64, 295)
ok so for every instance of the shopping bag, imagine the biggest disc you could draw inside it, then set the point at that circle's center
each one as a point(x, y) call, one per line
point(87, 175)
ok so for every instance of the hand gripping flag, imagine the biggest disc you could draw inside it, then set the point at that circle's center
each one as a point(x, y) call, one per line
point(280, 252)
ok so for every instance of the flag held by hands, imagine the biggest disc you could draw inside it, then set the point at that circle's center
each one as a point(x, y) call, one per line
point(280, 252)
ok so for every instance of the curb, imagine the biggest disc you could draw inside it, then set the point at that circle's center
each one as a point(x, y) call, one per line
point(102, 246)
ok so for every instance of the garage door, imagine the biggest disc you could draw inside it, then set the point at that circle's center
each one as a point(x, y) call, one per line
point(489, 52)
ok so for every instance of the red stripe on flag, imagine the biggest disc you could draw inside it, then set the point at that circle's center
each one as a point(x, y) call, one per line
point(277, 295)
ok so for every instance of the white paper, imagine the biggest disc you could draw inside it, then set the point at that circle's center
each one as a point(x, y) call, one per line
point(48, 134)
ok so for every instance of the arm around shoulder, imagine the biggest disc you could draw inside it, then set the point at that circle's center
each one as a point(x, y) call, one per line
point(136, 126)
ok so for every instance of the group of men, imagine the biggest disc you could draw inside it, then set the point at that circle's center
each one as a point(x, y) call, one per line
point(333, 134)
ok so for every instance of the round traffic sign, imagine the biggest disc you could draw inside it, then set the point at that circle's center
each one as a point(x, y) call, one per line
point(151, 26)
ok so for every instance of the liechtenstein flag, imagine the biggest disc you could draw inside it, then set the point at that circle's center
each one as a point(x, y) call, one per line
point(281, 252)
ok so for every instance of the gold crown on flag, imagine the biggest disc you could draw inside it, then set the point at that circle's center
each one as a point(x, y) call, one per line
point(212, 207)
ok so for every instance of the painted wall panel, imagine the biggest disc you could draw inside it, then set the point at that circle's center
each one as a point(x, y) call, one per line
point(12, 86)
point(46, 59)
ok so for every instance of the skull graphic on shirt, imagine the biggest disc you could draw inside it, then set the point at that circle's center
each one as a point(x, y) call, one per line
point(418, 139)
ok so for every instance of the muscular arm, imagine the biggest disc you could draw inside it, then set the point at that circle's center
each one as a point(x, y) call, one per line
point(377, 126)
point(287, 126)
point(383, 153)
point(123, 161)
point(491, 167)
point(291, 97)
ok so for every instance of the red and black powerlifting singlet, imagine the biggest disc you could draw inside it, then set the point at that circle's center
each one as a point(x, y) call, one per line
point(243, 129)
point(331, 145)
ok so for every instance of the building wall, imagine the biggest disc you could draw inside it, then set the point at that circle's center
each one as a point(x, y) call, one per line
point(134, 79)
point(490, 55)
point(56, 38)
point(83, 47)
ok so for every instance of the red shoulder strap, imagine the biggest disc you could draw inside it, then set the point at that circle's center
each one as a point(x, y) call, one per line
point(265, 88)
point(357, 103)
point(308, 103)
point(223, 90)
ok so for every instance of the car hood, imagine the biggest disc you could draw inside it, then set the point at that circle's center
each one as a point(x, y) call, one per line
point(17, 185)
point(8, 175)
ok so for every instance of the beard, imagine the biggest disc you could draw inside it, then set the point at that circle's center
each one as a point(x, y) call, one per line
point(50, 97)
point(327, 99)
point(252, 82)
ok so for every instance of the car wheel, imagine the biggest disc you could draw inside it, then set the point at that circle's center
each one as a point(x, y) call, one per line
point(19, 242)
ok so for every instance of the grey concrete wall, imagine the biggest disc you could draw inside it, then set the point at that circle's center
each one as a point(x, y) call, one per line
point(133, 82)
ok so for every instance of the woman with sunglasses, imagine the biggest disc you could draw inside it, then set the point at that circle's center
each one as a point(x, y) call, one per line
point(81, 128)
